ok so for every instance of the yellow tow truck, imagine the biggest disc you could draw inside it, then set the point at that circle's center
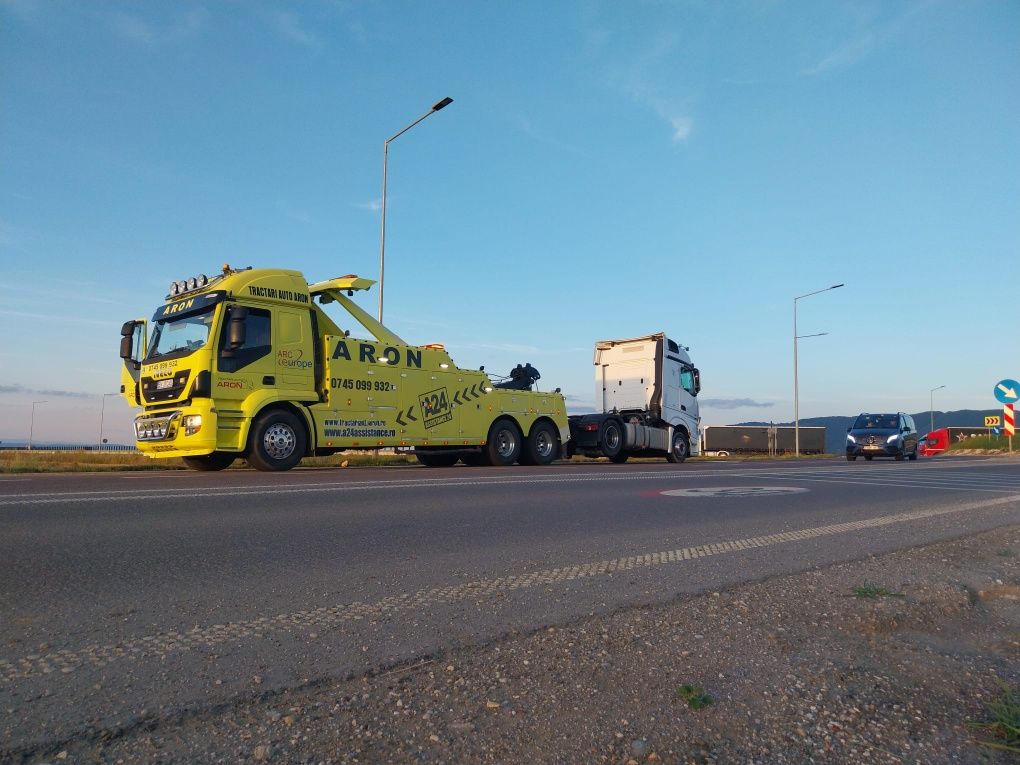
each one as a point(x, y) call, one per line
point(247, 364)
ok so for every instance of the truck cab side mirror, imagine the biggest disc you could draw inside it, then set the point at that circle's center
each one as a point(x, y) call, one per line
point(697, 381)
point(236, 329)
point(132, 342)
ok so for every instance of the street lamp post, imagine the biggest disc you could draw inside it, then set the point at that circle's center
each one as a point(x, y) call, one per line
point(102, 413)
point(386, 150)
point(931, 406)
point(796, 384)
point(31, 427)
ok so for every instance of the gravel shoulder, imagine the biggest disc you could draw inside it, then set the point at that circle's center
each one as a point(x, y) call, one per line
point(798, 668)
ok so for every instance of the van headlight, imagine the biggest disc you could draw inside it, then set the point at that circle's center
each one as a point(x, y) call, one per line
point(851, 439)
point(192, 424)
point(893, 438)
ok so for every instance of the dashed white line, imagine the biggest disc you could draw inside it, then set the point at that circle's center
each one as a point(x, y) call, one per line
point(327, 617)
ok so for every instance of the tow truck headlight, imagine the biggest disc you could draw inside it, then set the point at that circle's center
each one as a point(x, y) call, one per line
point(192, 424)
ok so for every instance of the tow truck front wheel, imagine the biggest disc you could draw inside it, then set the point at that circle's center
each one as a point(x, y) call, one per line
point(680, 449)
point(214, 461)
point(277, 441)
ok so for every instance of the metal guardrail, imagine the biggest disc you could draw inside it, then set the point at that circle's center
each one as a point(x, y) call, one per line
point(106, 448)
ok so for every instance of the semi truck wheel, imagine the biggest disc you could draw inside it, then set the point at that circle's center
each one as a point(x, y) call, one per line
point(504, 443)
point(277, 441)
point(611, 440)
point(679, 449)
point(436, 459)
point(542, 445)
point(214, 461)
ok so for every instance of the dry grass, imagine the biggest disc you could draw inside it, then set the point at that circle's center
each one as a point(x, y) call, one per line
point(38, 461)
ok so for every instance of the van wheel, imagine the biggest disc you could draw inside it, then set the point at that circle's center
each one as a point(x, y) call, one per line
point(679, 449)
point(503, 446)
point(612, 441)
point(277, 441)
point(850, 458)
point(868, 458)
point(913, 455)
point(436, 459)
point(214, 461)
point(542, 446)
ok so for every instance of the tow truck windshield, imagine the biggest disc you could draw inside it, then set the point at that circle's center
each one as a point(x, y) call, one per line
point(180, 336)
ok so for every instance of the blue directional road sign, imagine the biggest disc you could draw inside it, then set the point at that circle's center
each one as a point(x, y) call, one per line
point(1007, 391)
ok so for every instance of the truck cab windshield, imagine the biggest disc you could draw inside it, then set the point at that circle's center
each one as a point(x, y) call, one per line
point(180, 336)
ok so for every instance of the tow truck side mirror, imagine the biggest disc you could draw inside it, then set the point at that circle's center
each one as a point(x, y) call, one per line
point(236, 330)
point(127, 332)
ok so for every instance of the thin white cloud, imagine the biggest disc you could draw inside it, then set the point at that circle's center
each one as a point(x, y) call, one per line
point(374, 205)
point(132, 28)
point(638, 78)
point(290, 28)
point(682, 127)
point(845, 55)
point(869, 39)
point(135, 29)
point(736, 403)
point(289, 211)
point(46, 392)
point(529, 129)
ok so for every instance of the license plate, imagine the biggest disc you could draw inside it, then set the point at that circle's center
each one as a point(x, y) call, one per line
point(164, 384)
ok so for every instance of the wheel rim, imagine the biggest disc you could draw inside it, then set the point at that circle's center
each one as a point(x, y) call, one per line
point(279, 441)
point(612, 438)
point(679, 446)
point(543, 443)
point(506, 442)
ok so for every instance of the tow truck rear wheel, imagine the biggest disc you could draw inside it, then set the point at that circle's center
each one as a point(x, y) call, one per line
point(277, 441)
point(542, 445)
point(214, 461)
point(680, 449)
point(503, 446)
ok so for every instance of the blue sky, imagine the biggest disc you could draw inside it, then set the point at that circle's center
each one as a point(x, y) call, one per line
point(606, 170)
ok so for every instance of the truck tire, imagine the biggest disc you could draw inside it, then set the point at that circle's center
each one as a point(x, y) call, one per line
point(214, 461)
point(611, 440)
point(503, 446)
point(277, 441)
point(542, 446)
point(436, 459)
point(680, 449)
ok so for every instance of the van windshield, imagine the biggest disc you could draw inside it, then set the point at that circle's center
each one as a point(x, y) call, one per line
point(877, 422)
point(180, 336)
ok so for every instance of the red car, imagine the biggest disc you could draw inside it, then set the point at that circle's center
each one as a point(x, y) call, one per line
point(934, 443)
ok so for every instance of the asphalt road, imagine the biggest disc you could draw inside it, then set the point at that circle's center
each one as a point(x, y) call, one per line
point(131, 596)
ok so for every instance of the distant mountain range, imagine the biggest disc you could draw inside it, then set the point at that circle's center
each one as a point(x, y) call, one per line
point(835, 427)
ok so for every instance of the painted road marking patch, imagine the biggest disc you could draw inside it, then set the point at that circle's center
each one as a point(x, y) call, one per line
point(732, 491)
point(154, 646)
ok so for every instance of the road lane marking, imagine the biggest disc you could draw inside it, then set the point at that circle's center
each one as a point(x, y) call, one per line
point(732, 491)
point(66, 661)
point(891, 475)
